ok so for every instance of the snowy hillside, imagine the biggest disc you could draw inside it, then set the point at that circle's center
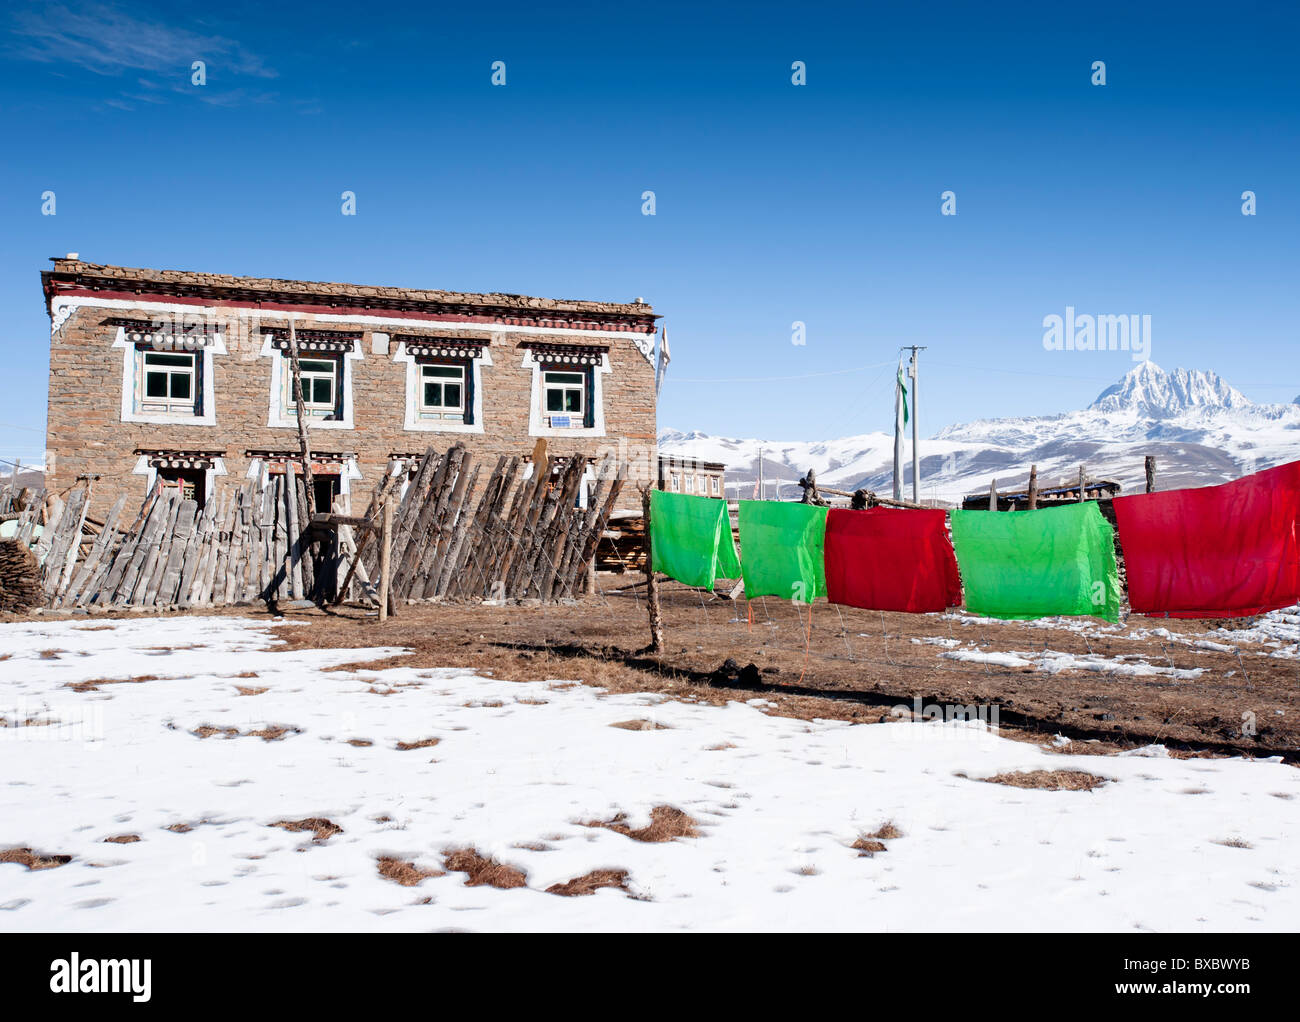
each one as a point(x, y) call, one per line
point(1201, 430)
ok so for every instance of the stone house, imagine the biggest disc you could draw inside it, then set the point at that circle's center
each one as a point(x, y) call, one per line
point(185, 377)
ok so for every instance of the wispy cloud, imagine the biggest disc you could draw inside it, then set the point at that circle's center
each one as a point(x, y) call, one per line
point(108, 40)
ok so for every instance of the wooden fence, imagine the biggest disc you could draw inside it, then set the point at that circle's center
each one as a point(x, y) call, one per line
point(528, 536)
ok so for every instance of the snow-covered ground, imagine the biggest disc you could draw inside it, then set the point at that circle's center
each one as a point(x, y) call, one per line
point(1166, 844)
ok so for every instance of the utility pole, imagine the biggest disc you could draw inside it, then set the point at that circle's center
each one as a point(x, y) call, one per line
point(914, 372)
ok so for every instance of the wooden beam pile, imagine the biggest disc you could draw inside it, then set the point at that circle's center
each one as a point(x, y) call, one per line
point(20, 579)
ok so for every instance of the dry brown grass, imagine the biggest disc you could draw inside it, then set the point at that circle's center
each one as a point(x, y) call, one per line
point(423, 743)
point(51, 654)
point(483, 871)
point(321, 828)
point(360, 743)
point(29, 722)
point(886, 832)
point(868, 846)
point(1233, 842)
point(1048, 780)
point(93, 685)
point(245, 690)
point(273, 732)
point(641, 725)
point(246, 674)
point(408, 874)
point(666, 824)
point(32, 860)
point(210, 731)
point(590, 883)
point(122, 839)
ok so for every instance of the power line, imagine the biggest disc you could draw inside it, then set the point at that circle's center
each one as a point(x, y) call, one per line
point(780, 379)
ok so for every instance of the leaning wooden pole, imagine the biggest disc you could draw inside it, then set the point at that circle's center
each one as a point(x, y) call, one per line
point(651, 585)
point(385, 558)
point(1151, 473)
point(1033, 488)
point(304, 444)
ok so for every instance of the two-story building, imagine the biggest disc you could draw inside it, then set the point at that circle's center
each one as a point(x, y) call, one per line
point(186, 377)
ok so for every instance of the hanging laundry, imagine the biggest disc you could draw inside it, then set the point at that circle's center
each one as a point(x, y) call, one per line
point(782, 545)
point(887, 559)
point(1027, 564)
point(690, 538)
point(1217, 551)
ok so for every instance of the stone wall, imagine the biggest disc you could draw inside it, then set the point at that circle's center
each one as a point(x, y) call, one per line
point(86, 434)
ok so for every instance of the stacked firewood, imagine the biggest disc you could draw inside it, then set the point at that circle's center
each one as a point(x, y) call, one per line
point(20, 578)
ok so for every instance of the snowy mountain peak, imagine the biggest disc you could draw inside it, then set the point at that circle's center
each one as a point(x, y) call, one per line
point(1151, 391)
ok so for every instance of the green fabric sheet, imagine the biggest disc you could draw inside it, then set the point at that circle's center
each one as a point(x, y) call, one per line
point(690, 538)
point(1027, 564)
point(783, 547)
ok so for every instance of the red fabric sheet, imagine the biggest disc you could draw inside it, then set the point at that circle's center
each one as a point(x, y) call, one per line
point(1219, 551)
point(886, 559)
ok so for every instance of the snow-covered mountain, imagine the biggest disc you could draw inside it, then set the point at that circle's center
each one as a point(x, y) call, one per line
point(1200, 429)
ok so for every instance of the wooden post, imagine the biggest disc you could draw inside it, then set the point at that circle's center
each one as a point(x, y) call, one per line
point(1151, 473)
point(1081, 484)
point(304, 444)
point(1033, 487)
point(385, 558)
point(651, 585)
point(993, 495)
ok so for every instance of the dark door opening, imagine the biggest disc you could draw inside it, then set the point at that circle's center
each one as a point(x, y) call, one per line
point(190, 483)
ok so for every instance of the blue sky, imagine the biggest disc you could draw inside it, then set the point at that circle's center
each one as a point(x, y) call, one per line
point(774, 203)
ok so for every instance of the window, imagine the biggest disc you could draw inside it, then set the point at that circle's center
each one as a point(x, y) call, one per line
point(190, 483)
point(713, 485)
point(319, 377)
point(169, 382)
point(676, 482)
point(324, 489)
point(564, 397)
point(690, 484)
point(442, 392)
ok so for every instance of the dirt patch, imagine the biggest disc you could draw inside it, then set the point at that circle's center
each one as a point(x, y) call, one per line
point(270, 733)
point(273, 732)
point(209, 731)
point(321, 828)
point(122, 839)
point(408, 874)
point(483, 871)
point(590, 883)
point(641, 725)
point(245, 690)
point(93, 685)
point(1048, 780)
point(666, 824)
point(861, 664)
point(423, 743)
point(32, 860)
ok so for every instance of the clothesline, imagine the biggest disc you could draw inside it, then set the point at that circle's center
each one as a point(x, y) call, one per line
point(1219, 551)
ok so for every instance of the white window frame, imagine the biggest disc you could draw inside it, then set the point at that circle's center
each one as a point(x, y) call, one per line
point(414, 391)
point(442, 411)
point(309, 404)
point(538, 419)
point(168, 404)
point(675, 482)
point(281, 413)
point(690, 484)
point(565, 388)
point(714, 486)
point(133, 369)
point(143, 468)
